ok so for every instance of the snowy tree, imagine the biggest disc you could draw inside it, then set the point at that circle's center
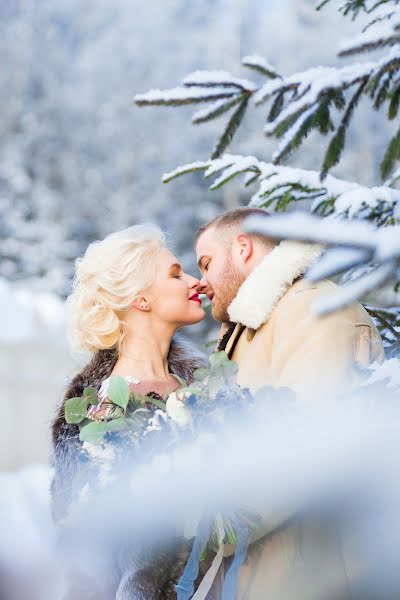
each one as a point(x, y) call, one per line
point(322, 100)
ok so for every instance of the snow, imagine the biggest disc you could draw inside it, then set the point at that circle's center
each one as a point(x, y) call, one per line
point(255, 60)
point(336, 260)
point(311, 83)
point(183, 95)
point(219, 77)
point(354, 290)
point(28, 539)
point(388, 373)
point(307, 227)
point(382, 30)
point(359, 242)
point(194, 166)
point(238, 167)
point(291, 133)
point(26, 316)
point(204, 113)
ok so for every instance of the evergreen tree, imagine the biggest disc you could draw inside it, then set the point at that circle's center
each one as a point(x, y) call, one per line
point(323, 99)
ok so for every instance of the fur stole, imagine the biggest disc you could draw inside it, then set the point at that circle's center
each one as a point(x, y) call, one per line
point(155, 577)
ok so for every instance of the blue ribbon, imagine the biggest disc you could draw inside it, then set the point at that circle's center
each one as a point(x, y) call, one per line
point(229, 588)
point(185, 586)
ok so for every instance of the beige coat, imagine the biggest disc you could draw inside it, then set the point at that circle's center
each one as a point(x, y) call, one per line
point(279, 342)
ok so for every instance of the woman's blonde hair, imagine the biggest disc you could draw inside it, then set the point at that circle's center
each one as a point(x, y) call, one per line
point(110, 275)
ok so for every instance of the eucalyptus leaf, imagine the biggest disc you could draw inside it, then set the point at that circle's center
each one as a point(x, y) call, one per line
point(118, 391)
point(181, 380)
point(75, 409)
point(159, 403)
point(218, 359)
point(95, 431)
point(91, 395)
point(201, 374)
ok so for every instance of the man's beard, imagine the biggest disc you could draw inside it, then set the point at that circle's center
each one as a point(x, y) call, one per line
point(227, 289)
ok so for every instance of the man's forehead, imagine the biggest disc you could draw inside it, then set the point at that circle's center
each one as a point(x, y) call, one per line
point(208, 241)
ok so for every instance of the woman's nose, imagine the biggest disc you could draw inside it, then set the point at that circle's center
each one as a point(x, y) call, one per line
point(193, 282)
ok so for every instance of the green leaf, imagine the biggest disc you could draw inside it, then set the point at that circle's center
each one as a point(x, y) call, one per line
point(91, 395)
point(95, 431)
point(118, 391)
point(159, 403)
point(75, 409)
point(181, 380)
point(218, 359)
point(200, 374)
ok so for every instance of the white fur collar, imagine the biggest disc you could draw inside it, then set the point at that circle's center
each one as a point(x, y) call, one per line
point(270, 280)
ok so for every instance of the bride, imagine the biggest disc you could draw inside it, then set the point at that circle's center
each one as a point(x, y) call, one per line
point(130, 296)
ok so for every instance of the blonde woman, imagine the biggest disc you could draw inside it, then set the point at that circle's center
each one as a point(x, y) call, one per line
point(130, 296)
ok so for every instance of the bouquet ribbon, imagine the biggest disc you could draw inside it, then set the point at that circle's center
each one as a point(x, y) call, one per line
point(185, 587)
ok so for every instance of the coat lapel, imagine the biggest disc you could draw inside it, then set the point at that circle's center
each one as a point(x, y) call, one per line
point(234, 338)
point(270, 280)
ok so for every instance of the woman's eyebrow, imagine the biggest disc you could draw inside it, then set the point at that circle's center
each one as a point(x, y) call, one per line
point(175, 266)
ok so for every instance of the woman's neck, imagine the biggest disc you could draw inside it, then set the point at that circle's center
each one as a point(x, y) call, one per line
point(144, 354)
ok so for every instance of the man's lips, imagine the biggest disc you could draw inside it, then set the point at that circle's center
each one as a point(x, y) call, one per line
point(195, 298)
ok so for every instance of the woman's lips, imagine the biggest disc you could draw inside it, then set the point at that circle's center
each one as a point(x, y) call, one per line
point(195, 298)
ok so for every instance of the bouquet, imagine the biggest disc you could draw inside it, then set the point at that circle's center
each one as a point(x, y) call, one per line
point(143, 429)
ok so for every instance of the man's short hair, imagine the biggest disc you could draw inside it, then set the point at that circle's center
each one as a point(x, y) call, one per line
point(233, 219)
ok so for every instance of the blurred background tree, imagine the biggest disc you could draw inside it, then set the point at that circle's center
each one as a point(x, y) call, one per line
point(317, 100)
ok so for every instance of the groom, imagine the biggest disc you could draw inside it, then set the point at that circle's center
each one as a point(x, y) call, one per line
point(258, 293)
point(256, 286)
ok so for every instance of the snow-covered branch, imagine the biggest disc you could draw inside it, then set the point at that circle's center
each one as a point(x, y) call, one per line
point(279, 186)
point(349, 244)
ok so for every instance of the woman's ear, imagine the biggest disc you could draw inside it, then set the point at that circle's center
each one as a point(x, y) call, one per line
point(140, 303)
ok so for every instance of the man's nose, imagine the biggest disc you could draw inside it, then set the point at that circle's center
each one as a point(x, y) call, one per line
point(202, 286)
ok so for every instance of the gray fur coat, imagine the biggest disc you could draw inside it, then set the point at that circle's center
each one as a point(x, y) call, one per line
point(155, 577)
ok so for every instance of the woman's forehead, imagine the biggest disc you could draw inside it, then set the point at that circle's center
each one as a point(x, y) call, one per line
point(166, 259)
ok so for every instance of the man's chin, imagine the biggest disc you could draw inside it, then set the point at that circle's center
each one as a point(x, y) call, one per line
point(218, 314)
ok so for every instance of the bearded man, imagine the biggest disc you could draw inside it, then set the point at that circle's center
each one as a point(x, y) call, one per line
point(258, 293)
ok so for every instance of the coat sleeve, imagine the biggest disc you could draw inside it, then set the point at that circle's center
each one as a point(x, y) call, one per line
point(320, 356)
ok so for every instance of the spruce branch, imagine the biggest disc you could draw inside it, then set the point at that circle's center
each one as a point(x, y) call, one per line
point(296, 133)
point(337, 142)
point(258, 63)
point(230, 129)
point(391, 155)
point(216, 109)
point(219, 79)
point(394, 102)
point(180, 96)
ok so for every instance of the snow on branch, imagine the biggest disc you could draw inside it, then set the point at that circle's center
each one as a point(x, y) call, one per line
point(189, 168)
point(258, 63)
point(349, 244)
point(218, 78)
point(384, 31)
point(280, 185)
point(215, 110)
point(182, 95)
point(311, 84)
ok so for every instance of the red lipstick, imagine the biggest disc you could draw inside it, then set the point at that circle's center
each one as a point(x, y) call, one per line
point(195, 298)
